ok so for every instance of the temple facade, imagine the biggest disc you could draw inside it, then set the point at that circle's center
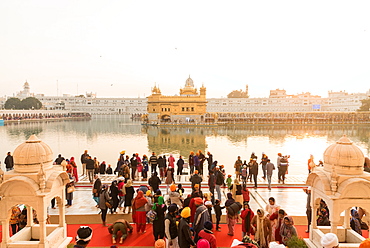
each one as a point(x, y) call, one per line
point(189, 106)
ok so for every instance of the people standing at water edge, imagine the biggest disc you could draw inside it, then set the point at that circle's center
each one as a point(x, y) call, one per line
point(210, 161)
point(202, 158)
point(134, 163)
point(191, 162)
point(270, 167)
point(237, 165)
point(59, 159)
point(311, 164)
point(145, 164)
point(284, 163)
point(90, 166)
point(84, 158)
point(9, 162)
point(264, 163)
point(180, 165)
point(153, 162)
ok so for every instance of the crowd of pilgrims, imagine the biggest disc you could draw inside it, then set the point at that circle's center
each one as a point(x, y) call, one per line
point(186, 220)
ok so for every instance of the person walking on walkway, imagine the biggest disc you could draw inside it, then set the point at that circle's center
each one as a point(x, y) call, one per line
point(254, 171)
point(219, 182)
point(264, 163)
point(9, 162)
point(270, 167)
point(103, 199)
point(96, 189)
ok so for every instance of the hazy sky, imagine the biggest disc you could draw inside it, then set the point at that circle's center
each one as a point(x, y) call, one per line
point(121, 48)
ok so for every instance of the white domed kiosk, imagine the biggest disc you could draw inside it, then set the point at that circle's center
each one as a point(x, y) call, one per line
point(34, 182)
point(342, 184)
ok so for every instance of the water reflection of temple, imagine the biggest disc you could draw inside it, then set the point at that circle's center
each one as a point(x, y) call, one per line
point(185, 139)
point(175, 140)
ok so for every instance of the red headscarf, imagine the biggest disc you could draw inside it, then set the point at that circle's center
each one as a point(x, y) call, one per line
point(139, 200)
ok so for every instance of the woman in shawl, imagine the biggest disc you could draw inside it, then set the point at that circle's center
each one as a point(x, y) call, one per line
point(74, 169)
point(246, 215)
point(271, 208)
point(138, 211)
point(158, 224)
point(129, 196)
point(230, 200)
point(355, 221)
point(236, 190)
point(114, 191)
point(287, 229)
point(262, 228)
point(103, 198)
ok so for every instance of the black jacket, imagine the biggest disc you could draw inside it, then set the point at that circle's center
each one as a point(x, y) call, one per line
point(185, 237)
point(9, 162)
point(90, 164)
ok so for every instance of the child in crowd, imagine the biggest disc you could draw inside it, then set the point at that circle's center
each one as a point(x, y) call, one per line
point(218, 212)
point(244, 173)
point(229, 181)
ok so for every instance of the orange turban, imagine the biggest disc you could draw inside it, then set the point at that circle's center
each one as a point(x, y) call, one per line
point(365, 243)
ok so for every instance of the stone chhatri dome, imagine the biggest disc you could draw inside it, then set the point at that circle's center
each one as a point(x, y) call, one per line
point(189, 82)
point(29, 156)
point(345, 157)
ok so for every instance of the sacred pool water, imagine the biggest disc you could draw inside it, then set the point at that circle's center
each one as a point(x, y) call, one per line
point(105, 137)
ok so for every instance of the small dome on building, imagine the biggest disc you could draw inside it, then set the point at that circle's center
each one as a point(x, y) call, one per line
point(29, 156)
point(189, 82)
point(345, 157)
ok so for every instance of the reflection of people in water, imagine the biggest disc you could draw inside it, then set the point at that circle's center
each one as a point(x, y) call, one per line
point(323, 214)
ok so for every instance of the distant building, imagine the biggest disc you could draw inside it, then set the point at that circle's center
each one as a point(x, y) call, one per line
point(189, 106)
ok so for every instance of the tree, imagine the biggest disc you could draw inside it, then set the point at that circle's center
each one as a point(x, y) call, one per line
point(365, 105)
point(31, 103)
point(237, 94)
point(13, 103)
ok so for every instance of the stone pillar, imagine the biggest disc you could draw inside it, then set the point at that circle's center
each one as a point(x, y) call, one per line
point(62, 212)
point(42, 221)
point(5, 230)
point(347, 219)
point(334, 222)
point(29, 215)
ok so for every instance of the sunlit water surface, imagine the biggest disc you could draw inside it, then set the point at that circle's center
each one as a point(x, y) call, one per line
point(105, 137)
